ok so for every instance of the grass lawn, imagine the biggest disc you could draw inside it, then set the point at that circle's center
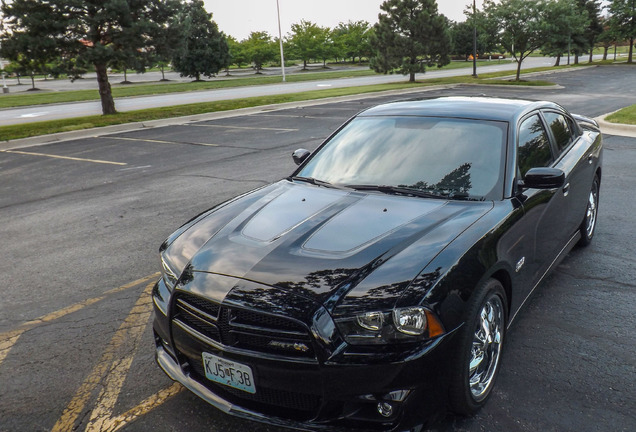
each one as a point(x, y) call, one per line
point(153, 88)
point(626, 116)
point(49, 127)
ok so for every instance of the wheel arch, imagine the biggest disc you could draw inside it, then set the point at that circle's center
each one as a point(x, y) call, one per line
point(505, 280)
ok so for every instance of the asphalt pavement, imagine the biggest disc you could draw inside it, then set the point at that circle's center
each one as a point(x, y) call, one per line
point(81, 221)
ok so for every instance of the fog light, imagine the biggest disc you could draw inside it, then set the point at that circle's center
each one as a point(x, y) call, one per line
point(385, 409)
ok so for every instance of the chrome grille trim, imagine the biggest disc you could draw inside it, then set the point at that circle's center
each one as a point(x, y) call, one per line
point(233, 329)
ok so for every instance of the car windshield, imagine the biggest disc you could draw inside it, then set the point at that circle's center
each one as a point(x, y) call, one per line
point(444, 157)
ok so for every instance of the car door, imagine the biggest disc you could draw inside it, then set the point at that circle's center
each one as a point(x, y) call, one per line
point(573, 158)
point(546, 213)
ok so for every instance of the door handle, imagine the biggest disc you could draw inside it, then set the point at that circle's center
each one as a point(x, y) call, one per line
point(566, 189)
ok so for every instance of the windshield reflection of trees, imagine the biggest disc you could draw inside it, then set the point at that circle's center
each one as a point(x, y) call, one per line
point(455, 182)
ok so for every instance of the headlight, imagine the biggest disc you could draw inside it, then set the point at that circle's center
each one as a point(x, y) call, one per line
point(371, 320)
point(407, 324)
point(410, 320)
point(170, 276)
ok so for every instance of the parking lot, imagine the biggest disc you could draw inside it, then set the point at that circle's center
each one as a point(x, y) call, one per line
point(81, 222)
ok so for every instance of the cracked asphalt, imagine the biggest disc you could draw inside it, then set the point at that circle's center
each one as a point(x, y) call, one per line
point(81, 222)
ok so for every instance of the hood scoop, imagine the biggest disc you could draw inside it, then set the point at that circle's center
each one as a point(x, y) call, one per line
point(289, 210)
point(367, 221)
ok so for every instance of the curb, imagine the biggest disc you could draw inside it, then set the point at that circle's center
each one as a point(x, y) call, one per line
point(174, 121)
point(615, 128)
point(548, 72)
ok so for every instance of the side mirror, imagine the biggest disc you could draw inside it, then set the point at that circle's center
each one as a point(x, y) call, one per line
point(300, 155)
point(543, 178)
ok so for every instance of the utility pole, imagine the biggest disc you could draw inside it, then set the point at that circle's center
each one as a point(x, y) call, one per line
point(280, 39)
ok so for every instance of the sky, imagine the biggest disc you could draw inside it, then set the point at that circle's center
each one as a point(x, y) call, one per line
point(238, 18)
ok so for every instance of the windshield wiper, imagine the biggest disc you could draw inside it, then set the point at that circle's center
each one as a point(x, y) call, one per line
point(311, 180)
point(463, 196)
point(395, 190)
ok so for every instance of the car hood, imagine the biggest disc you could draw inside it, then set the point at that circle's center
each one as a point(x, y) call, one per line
point(320, 242)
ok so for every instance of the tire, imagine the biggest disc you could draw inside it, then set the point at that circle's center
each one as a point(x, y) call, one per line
point(588, 226)
point(479, 349)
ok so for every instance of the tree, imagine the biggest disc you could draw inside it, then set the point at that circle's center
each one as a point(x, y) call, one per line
point(326, 45)
point(352, 39)
point(609, 37)
point(91, 31)
point(259, 48)
point(563, 19)
point(624, 22)
point(238, 55)
point(28, 50)
point(205, 50)
point(521, 27)
point(462, 34)
point(167, 37)
point(594, 28)
point(305, 41)
point(409, 37)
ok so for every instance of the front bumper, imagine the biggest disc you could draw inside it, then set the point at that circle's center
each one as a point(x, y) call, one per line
point(340, 392)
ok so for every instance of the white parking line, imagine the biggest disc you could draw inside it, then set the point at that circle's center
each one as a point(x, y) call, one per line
point(244, 127)
point(162, 141)
point(98, 161)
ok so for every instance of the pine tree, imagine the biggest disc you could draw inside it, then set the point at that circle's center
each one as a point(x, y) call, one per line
point(205, 49)
point(409, 37)
point(623, 22)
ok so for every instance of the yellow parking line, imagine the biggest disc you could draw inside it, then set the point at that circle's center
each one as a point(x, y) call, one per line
point(8, 339)
point(65, 157)
point(243, 127)
point(163, 142)
point(115, 423)
point(107, 398)
point(131, 329)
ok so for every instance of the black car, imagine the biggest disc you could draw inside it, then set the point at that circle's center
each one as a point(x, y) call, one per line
point(373, 287)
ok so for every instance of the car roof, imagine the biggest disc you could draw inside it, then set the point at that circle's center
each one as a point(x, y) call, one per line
point(486, 108)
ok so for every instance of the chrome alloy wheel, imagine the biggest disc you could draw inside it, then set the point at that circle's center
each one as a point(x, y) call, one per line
point(592, 209)
point(486, 348)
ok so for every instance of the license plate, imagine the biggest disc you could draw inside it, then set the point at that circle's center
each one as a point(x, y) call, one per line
point(229, 373)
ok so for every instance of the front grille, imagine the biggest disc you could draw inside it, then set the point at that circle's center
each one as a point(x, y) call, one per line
point(243, 329)
point(257, 332)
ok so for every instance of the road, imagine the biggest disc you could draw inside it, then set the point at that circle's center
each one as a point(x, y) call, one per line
point(81, 222)
point(69, 110)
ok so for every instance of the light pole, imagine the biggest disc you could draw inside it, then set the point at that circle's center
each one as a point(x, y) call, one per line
point(5, 89)
point(280, 39)
point(474, 41)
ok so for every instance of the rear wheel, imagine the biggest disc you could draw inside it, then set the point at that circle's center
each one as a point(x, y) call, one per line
point(588, 226)
point(479, 349)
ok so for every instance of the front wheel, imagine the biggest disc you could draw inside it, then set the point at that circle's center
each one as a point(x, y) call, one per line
point(588, 226)
point(480, 345)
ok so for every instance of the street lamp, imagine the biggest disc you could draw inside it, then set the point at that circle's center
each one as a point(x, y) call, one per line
point(474, 40)
point(280, 39)
point(5, 89)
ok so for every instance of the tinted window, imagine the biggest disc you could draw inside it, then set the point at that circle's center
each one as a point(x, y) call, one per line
point(438, 155)
point(534, 146)
point(560, 129)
